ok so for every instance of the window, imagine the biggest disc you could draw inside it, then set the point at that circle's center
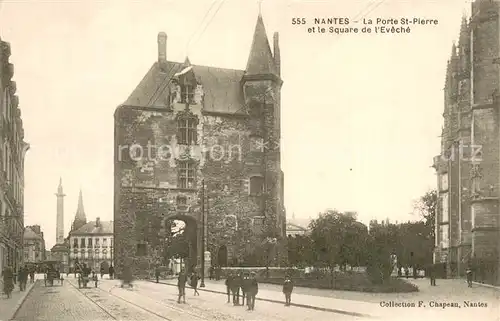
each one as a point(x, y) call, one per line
point(444, 182)
point(90, 242)
point(75, 243)
point(258, 221)
point(187, 94)
point(181, 200)
point(256, 185)
point(104, 242)
point(445, 209)
point(186, 130)
point(444, 235)
point(82, 243)
point(142, 249)
point(111, 243)
point(97, 242)
point(186, 174)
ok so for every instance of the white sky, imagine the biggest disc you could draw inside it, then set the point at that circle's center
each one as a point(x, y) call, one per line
point(370, 103)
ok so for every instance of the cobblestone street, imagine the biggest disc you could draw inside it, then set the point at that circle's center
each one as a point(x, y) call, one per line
point(148, 301)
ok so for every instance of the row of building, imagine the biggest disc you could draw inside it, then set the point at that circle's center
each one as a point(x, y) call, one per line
point(468, 167)
point(13, 149)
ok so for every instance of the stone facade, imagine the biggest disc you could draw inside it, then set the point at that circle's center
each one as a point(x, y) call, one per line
point(467, 220)
point(34, 244)
point(190, 133)
point(12, 153)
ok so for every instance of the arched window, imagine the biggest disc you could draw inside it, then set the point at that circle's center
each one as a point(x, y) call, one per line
point(256, 185)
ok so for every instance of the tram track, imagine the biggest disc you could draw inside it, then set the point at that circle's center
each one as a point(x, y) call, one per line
point(130, 302)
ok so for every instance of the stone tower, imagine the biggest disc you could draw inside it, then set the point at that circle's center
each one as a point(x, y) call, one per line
point(467, 224)
point(261, 85)
point(60, 214)
point(80, 217)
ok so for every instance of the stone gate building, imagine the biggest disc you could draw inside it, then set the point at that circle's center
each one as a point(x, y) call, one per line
point(468, 169)
point(190, 132)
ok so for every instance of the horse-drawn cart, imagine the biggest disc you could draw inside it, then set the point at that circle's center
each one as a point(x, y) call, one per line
point(85, 275)
point(52, 273)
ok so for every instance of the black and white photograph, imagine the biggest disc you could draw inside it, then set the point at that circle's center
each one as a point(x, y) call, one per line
point(243, 160)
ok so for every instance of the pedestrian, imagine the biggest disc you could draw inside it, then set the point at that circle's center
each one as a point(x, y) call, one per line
point(235, 289)
point(25, 276)
point(287, 290)
point(244, 287)
point(194, 282)
point(468, 272)
point(111, 272)
point(432, 275)
point(32, 275)
point(181, 285)
point(253, 289)
point(20, 277)
point(210, 272)
point(102, 271)
point(229, 281)
point(8, 281)
point(157, 274)
point(407, 272)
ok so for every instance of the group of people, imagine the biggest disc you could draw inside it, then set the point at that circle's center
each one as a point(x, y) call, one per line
point(247, 283)
point(9, 278)
point(182, 279)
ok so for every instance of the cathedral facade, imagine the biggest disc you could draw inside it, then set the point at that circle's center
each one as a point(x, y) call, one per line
point(468, 168)
point(200, 144)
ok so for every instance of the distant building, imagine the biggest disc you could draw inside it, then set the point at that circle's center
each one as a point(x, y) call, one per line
point(92, 244)
point(297, 226)
point(48, 256)
point(34, 244)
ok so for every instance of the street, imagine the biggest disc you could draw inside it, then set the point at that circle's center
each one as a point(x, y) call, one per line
point(148, 301)
point(151, 301)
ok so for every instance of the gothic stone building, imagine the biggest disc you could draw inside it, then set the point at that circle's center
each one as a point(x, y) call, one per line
point(468, 169)
point(191, 132)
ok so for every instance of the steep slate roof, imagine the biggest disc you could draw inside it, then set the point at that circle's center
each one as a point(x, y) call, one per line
point(105, 227)
point(221, 87)
point(29, 234)
point(260, 61)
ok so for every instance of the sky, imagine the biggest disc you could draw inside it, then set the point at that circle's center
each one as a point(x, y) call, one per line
point(361, 113)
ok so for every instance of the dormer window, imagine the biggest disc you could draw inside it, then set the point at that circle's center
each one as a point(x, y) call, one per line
point(187, 94)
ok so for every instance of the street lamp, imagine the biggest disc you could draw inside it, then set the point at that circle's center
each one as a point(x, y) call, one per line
point(202, 284)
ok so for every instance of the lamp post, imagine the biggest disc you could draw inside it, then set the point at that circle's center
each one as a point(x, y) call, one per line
point(202, 284)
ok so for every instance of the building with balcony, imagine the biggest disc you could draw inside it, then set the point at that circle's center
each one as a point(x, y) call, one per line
point(468, 167)
point(200, 144)
point(92, 244)
point(12, 152)
point(34, 245)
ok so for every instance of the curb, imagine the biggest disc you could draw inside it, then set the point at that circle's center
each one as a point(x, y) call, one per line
point(306, 306)
point(487, 285)
point(23, 298)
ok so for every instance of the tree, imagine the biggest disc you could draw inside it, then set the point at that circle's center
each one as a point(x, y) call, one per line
point(337, 238)
point(300, 250)
point(426, 207)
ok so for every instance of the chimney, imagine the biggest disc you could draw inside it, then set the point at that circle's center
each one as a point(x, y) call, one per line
point(276, 51)
point(162, 49)
point(98, 222)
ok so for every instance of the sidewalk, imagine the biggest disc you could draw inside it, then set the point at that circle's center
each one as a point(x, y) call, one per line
point(347, 307)
point(8, 307)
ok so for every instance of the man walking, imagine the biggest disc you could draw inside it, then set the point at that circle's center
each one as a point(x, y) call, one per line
point(229, 281)
point(469, 277)
point(235, 288)
point(194, 282)
point(432, 275)
point(287, 290)
point(253, 289)
point(181, 285)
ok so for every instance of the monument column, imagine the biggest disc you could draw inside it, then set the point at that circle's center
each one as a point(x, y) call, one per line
point(60, 214)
